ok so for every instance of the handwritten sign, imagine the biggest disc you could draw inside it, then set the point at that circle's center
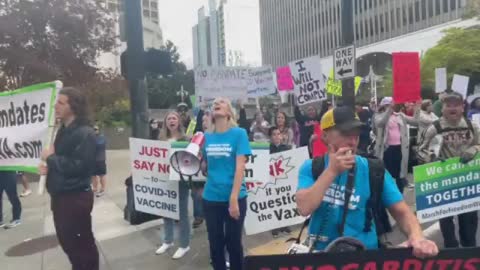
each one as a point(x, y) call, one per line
point(460, 84)
point(284, 79)
point(213, 82)
point(406, 77)
point(334, 87)
point(440, 80)
point(150, 165)
point(261, 82)
point(308, 79)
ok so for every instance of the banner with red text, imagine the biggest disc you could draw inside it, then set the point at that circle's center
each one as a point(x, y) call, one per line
point(386, 259)
point(406, 77)
point(271, 204)
point(150, 165)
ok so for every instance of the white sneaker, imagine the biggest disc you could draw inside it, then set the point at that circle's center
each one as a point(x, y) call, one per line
point(180, 253)
point(163, 248)
point(26, 193)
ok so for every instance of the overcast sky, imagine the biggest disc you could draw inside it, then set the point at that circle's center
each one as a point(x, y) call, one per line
point(177, 26)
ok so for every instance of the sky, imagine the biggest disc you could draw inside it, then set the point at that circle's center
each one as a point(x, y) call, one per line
point(177, 26)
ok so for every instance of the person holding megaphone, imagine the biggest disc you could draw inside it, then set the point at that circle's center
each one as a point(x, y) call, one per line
point(172, 131)
point(225, 152)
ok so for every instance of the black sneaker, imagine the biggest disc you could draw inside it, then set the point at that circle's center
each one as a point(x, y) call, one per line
point(287, 230)
point(275, 234)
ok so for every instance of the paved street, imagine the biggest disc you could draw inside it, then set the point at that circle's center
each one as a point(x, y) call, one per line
point(33, 246)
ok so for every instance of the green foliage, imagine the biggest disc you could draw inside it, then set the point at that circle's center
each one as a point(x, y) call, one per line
point(57, 39)
point(162, 88)
point(459, 52)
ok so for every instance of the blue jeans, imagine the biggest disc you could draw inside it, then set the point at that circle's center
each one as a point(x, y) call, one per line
point(197, 202)
point(223, 231)
point(8, 183)
point(184, 221)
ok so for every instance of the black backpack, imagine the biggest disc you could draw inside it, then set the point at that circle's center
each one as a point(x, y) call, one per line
point(374, 202)
point(375, 211)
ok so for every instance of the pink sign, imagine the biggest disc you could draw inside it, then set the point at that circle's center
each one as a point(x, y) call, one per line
point(284, 79)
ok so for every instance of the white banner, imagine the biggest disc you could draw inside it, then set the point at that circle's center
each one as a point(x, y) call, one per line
point(262, 82)
point(272, 205)
point(153, 192)
point(308, 80)
point(440, 80)
point(213, 82)
point(256, 173)
point(25, 117)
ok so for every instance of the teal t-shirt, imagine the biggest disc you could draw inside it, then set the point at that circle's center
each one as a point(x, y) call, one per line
point(221, 151)
point(329, 215)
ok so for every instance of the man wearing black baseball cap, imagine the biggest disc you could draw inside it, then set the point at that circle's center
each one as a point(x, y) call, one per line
point(459, 137)
point(344, 180)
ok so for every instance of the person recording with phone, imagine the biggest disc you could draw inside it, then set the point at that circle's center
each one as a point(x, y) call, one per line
point(345, 179)
point(225, 152)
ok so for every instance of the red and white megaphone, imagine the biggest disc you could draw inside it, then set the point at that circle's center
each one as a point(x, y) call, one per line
point(187, 162)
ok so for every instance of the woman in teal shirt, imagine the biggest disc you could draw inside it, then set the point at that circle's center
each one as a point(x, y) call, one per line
point(224, 198)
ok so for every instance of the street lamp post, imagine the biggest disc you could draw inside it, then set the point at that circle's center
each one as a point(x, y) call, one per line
point(135, 68)
point(348, 85)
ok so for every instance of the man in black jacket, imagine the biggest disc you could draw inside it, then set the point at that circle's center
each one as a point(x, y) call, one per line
point(70, 166)
point(306, 123)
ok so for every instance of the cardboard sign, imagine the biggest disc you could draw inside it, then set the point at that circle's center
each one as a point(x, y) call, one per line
point(213, 82)
point(318, 147)
point(256, 173)
point(25, 117)
point(445, 189)
point(406, 77)
point(262, 82)
point(272, 205)
point(460, 84)
point(309, 81)
point(284, 79)
point(387, 259)
point(150, 165)
point(440, 80)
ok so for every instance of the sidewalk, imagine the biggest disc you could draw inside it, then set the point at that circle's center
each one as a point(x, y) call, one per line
point(33, 245)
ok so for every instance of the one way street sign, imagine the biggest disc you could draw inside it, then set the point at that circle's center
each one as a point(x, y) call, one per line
point(344, 62)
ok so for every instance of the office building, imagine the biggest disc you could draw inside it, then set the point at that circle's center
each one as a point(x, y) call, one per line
point(152, 33)
point(229, 35)
point(294, 29)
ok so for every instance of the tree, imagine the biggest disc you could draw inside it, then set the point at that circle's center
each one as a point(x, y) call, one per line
point(459, 52)
point(472, 9)
point(163, 86)
point(56, 39)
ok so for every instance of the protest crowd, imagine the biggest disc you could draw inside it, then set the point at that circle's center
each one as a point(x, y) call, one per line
point(344, 170)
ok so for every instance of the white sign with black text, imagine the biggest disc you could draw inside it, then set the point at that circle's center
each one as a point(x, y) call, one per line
point(344, 62)
point(150, 165)
point(273, 204)
point(309, 81)
point(262, 82)
point(255, 173)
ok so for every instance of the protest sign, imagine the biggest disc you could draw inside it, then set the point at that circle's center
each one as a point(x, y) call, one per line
point(460, 84)
point(440, 80)
point(213, 82)
point(448, 188)
point(308, 80)
point(256, 172)
point(272, 205)
point(261, 82)
point(284, 79)
point(150, 165)
point(476, 118)
point(406, 77)
point(318, 147)
point(334, 87)
point(386, 259)
point(25, 117)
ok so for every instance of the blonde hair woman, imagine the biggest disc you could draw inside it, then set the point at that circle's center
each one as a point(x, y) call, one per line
point(224, 198)
point(172, 131)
